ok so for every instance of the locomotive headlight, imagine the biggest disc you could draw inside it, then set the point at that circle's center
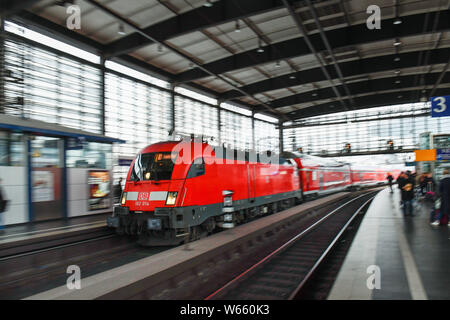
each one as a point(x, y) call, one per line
point(124, 198)
point(171, 198)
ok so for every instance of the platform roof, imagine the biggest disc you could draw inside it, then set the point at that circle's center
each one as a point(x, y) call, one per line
point(40, 127)
point(317, 57)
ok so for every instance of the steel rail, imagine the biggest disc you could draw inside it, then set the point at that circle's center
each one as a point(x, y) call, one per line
point(326, 252)
point(284, 246)
point(14, 256)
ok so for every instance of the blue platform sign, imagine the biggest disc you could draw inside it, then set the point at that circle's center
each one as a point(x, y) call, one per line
point(442, 154)
point(75, 143)
point(440, 106)
point(125, 162)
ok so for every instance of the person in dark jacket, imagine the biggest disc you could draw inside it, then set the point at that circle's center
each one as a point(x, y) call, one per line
point(3, 203)
point(118, 191)
point(400, 179)
point(390, 178)
point(444, 191)
point(407, 187)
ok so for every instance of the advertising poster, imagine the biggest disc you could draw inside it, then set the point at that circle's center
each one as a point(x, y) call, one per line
point(99, 190)
point(43, 187)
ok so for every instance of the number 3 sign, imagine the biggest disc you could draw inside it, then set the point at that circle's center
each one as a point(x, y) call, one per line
point(440, 106)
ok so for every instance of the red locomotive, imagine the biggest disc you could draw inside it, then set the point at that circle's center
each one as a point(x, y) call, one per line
point(177, 191)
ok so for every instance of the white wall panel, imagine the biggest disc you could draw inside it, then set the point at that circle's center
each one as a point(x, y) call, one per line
point(15, 190)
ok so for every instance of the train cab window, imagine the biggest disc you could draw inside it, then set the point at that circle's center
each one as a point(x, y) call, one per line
point(197, 168)
point(154, 166)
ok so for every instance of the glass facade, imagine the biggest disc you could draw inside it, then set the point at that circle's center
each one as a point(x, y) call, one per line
point(266, 136)
point(12, 149)
point(236, 130)
point(366, 130)
point(196, 117)
point(136, 112)
point(45, 85)
point(89, 155)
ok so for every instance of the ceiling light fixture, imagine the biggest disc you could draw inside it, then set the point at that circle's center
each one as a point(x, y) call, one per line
point(292, 77)
point(121, 30)
point(260, 48)
point(397, 71)
point(208, 4)
point(397, 43)
point(237, 27)
point(397, 21)
point(397, 59)
point(398, 81)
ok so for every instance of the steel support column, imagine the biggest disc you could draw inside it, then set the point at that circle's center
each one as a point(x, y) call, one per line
point(2, 67)
point(219, 123)
point(280, 137)
point(103, 92)
point(253, 131)
point(172, 108)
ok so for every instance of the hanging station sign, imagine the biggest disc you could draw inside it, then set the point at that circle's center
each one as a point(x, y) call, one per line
point(440, 106)
point(442, 154)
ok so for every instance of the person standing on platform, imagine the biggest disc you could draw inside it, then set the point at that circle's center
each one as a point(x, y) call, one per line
point(400, 180)
point(408, 194)
point(3, 203)
point(118, 191)
point(444, 191)
point(390, 178)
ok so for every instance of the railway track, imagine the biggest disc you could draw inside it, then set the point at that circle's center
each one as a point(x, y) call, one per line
point(51, 241)
point(285, 272)
point(27, 273)
point(40, 266)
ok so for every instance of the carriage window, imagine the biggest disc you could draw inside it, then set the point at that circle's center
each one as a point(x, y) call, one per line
point(197, 168)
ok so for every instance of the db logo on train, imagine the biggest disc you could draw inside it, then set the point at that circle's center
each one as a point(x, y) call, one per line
point(143, 196)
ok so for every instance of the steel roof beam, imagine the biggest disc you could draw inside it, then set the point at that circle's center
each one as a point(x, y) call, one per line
point(60, 33)
point(56, 31)
point(339, 38)
point(314, 51)
point(194, 20)
point(362, 87)
point(180, 53)
point(329, 49)
point(440, 79)
point(349, 69)
point(11, 7)
point(370, 101)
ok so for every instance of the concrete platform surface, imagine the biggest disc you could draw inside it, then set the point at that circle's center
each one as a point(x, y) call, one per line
point(396, 257)
point(34, 231)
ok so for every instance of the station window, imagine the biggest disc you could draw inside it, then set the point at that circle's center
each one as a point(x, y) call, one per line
point(90, 155)
point(12, 149)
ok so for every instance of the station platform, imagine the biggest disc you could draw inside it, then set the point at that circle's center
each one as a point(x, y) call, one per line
point(34, 231)
point(393, 257)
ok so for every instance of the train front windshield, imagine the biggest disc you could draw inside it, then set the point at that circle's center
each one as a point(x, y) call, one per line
point(153, 166)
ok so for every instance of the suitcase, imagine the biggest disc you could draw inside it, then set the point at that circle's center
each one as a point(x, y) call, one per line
point(430, 196)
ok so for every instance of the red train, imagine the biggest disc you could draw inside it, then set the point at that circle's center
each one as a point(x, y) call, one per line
point(183, 190)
